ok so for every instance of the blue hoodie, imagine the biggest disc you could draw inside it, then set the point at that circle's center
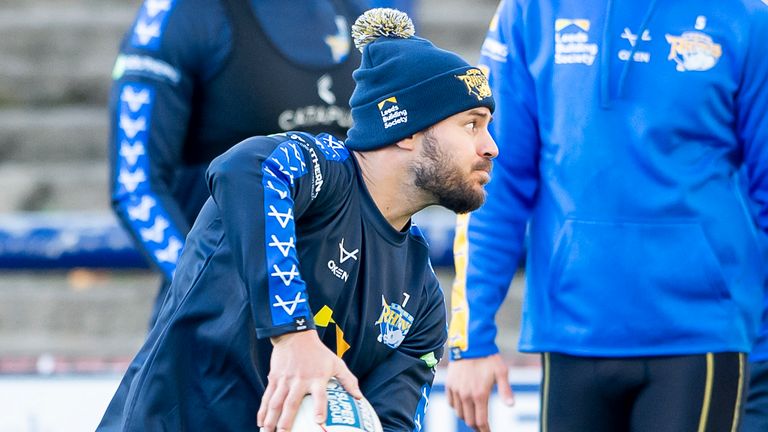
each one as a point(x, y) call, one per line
point(621, 126)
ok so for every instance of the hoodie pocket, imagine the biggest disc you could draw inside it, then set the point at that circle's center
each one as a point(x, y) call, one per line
point(633, 284)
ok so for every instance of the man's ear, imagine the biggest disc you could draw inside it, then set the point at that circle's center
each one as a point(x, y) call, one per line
point(411, 142)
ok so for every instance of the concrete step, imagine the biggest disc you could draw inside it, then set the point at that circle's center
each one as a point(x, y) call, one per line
point(64, 186)
point(46, 3)
point(56, 53)
point(75, 313)
point(69, 133)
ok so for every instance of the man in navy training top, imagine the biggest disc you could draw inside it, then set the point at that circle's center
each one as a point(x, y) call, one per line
point(304, 265)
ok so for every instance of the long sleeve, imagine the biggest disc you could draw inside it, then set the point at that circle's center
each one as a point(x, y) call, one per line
point(490, 241)
point(752, 104)
point(170, 48)
point(261, 188)
point(408, 373)
point(752, 122)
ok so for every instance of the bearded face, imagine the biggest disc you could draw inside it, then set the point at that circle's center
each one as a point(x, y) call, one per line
point(453, 186)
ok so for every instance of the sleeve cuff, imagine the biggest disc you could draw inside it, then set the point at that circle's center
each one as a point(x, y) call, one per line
point(480, 351)
point(300, 323)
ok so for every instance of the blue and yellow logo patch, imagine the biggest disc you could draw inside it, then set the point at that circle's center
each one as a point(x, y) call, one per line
point(394, 323)
point(477, 83)
point(693, 51)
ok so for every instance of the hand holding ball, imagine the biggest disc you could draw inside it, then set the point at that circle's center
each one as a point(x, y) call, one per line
point(345, 413)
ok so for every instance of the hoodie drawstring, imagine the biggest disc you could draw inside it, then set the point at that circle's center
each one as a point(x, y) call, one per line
point(605, 58)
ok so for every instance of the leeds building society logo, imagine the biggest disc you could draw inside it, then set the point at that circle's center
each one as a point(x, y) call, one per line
point(477, 83)
point(394, 323)
point(572, 45)
point(391, 114)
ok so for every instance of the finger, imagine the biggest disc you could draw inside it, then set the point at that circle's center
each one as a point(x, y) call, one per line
point(481, 412)
point(456, 404)
point(291, 406)
point(468, 410)
point(505, 391)
point(348, 381)
point(320, 401)
point(262, 413)
point(275, 407)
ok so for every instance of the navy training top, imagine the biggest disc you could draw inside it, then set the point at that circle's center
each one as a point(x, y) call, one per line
point(290, 240)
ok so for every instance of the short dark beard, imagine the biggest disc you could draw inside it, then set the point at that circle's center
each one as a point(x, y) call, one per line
point(438, 175)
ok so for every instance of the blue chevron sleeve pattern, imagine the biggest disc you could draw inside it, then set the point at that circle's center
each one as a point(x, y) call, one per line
point(332, 148)
point(421, 409)
point(287, 290)
point(137, 203)
point(150, 23)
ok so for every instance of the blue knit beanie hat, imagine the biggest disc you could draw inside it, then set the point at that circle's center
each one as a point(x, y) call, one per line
point(405, 84)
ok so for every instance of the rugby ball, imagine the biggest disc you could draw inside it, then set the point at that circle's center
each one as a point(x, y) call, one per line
point(345, 413)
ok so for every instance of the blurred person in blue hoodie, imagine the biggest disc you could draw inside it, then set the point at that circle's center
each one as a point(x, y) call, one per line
point(621, 127)
point(756, 405)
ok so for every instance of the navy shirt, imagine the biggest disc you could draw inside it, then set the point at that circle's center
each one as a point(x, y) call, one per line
point(289, 240)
